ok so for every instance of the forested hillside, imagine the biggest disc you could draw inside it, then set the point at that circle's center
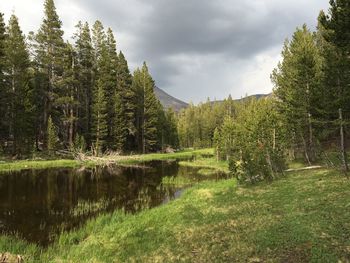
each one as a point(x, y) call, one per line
point(56, 94)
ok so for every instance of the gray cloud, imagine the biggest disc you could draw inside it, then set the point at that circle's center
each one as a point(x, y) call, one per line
point(197, 48)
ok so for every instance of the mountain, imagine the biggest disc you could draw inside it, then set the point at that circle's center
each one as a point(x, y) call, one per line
point(169, 101)
point(256, 96)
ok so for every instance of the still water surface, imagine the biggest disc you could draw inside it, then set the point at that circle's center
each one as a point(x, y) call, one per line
point(38, 204)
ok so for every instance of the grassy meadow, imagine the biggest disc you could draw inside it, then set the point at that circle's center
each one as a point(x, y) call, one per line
point(302, 217)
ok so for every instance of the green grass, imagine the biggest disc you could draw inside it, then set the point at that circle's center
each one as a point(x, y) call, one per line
point(185, 154)
point(18, 247)
point(7, 165)
point(30, 164)
point(210, 163)
point(303, 217)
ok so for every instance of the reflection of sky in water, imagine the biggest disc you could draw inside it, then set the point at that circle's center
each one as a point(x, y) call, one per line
point(37, 204)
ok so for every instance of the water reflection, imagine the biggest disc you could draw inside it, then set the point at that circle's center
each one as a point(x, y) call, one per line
point(38, 204)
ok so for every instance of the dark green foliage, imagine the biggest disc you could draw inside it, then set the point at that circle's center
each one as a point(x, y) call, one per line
point(154, 127)
point(3, 92)
point(297, 87)
point(196, 124)
point(170, 129)
point(111, 61)
point(85, 78)
point(79, 143)
point(52, 138)
point(335, 31)
point(99, 121)
point(49, 49)
point(67, 102)
point(128, 102)
point(86, 89)
point(120, 124)
point(149, 109)
point(17, 71)
point(333, 41)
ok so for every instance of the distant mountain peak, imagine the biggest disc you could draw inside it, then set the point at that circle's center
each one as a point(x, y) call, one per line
point(169, 101)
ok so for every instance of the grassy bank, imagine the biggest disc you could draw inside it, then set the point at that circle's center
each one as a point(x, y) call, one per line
point(209, 163)
point(35, 164)
point(303, 217)
point(122, 160)
point(135, 159)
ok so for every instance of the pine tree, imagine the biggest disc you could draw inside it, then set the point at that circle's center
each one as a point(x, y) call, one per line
point(68, 98)
point(49, 50)
point(335, 31)
point(162, 128)
point(3, 91)
point(17, 73)
point(120, 127)
point(110, 77)
point(99, 123)
point(128, 101)
point(147, 113)
point(85, 77)
point(297, 86)
point(150, 112)
point(172, 137)
point(100, 120)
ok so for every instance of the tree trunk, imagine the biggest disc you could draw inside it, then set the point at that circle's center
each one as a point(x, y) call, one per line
point(71, 127)
point(306, 151)
point(342, 142)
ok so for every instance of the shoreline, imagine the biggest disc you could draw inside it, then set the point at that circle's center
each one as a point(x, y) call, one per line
point(129, 160)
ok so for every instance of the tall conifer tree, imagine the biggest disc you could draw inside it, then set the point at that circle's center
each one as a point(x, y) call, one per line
point(17, 73)
point(110, 84)
point(67, 99)
point(99, 105)
point(127, 99)
point(297, 85)
point(85, 76)
point(120, 126)
point(3, 92)
point(49, 53)
point(335, 30)
point(148, 110)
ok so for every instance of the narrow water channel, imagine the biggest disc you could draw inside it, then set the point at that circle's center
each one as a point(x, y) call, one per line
point(36, 205)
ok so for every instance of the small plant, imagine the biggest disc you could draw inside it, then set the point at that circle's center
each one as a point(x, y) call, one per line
point(52, 137)
point(79, 144)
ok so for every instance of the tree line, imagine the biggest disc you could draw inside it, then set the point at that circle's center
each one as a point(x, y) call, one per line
point(60, 95)
point(305, 117)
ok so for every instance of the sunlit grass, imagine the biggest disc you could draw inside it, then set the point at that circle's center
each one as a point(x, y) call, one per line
point(184, 154)
point(210, 163)
point(30, 164)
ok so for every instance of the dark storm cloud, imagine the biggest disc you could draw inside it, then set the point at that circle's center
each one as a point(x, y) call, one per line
point(169, 33)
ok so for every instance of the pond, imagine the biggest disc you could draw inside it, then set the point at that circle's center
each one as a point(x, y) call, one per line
point(36, 205)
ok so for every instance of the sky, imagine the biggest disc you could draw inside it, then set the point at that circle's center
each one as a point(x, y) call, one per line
point(195, 49)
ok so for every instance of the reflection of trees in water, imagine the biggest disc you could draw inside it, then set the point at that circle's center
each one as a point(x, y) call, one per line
point(40, 203)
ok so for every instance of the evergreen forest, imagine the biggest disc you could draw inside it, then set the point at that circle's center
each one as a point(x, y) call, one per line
point(75, 95)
